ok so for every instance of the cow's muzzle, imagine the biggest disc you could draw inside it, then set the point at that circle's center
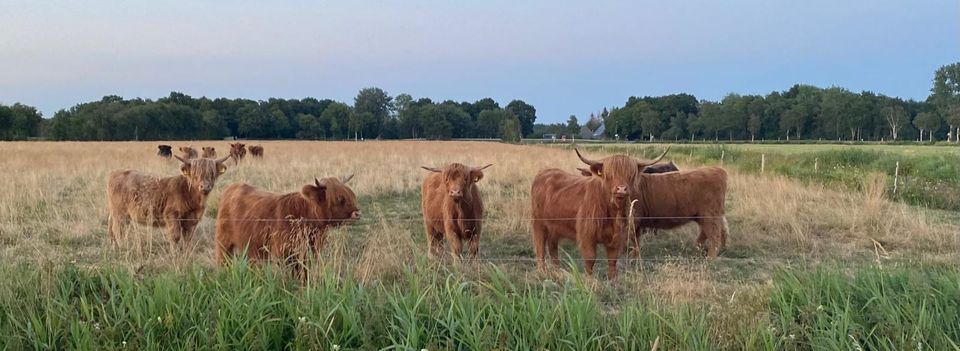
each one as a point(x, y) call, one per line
point(456, 194)
point(355, 215)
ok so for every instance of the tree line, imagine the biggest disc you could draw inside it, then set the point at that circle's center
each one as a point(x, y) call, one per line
point(373, 115)
point(800, 112)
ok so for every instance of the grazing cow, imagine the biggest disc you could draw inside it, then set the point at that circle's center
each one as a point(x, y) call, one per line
point(188, 152)
point(588, 210)
point(669, 200)
point(165, 151)
point(264, 225)
point(452, 208)
point(238, 151)
point(209, 152)
point(176, 203)
point(256, 151)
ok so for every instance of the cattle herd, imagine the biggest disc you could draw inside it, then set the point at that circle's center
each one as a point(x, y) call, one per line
point(598, 207)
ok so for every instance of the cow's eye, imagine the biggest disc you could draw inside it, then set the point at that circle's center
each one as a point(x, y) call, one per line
point(342, 200)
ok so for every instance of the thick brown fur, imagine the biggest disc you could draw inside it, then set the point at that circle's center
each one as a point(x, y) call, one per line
point(188, 152)
point(256, 151)
point(682, 197)
point(452, 208)
point(209, 152)
point(238, 151)
point(283, 227)
point(176, 203)
point(589, 210)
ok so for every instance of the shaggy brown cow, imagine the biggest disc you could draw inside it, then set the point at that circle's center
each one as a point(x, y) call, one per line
point(256, 151)
point(188, 152)
point(209, 152)
point(452, 208)
point(165, 151)
point(264, 225)
point(588, 210)
point(669, 200)
point(176, 203)
point(238, 151)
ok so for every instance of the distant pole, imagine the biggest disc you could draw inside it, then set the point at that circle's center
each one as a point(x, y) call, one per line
point(763, 162)
point(896, 177)
point(722, 152)
point(816, 164)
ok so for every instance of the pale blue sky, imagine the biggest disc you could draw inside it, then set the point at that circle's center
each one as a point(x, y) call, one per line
point(564, 57)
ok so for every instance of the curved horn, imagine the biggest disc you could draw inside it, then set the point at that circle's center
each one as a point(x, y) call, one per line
point(346, 179)
point(223, 159)
point(182, 160)
point(656, 159)
point(431, 169)
point(589, 162)
point(317, 182)
point(482, 168)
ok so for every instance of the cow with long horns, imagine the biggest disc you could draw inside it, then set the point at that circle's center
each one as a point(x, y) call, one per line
point(452, 208)
point(589, 210)
point(176, 203)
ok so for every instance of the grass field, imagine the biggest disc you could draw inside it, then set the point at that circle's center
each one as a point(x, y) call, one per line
point(809, 265)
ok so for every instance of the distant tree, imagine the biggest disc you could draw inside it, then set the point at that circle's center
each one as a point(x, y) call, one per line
point(754, 123)
point(372, 107)
point(650, 123)
point(927, 122)
point(401, 103)
point(338, 115)
point(489, 122)
point(593, 123)
point(510, 130)
point(525, 113)
point(896, 117)
point(573, 126)
point(945, 96)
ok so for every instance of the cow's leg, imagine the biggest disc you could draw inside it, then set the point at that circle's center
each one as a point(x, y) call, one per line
point(554, 247)
point(539, 242)
point(174, 233)
point(613, 253)
point(588, 249)
point(116, 227)
point(711, 235)
point(453, 237)
point(474, 246)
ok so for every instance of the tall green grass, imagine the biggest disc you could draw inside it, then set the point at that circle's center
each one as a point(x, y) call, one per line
point(243, 308)
point(931, 180)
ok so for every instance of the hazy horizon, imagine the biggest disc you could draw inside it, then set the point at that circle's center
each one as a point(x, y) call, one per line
point(562, 57)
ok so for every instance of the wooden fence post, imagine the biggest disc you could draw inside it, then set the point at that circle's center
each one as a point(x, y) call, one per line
point(722, 152)
point(896, 177)
point(816, 164)
point(763, 162)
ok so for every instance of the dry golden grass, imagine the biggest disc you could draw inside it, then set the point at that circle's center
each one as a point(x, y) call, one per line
point(52, 209)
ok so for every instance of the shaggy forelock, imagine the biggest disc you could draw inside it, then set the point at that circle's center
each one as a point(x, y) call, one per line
point(203, 169)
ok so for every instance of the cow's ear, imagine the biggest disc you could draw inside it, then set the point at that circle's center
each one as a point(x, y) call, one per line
point(221, 168)
point(314, 192)
point(598, 169)
point(185, 169)
point(477, 173)
point(585, 172)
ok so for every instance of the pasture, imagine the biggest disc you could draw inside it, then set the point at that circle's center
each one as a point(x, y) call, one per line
point(808, 265)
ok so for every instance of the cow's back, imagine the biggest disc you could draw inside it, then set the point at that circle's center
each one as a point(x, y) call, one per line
point(134, 195)
point(556, 197)
point(678, 197)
